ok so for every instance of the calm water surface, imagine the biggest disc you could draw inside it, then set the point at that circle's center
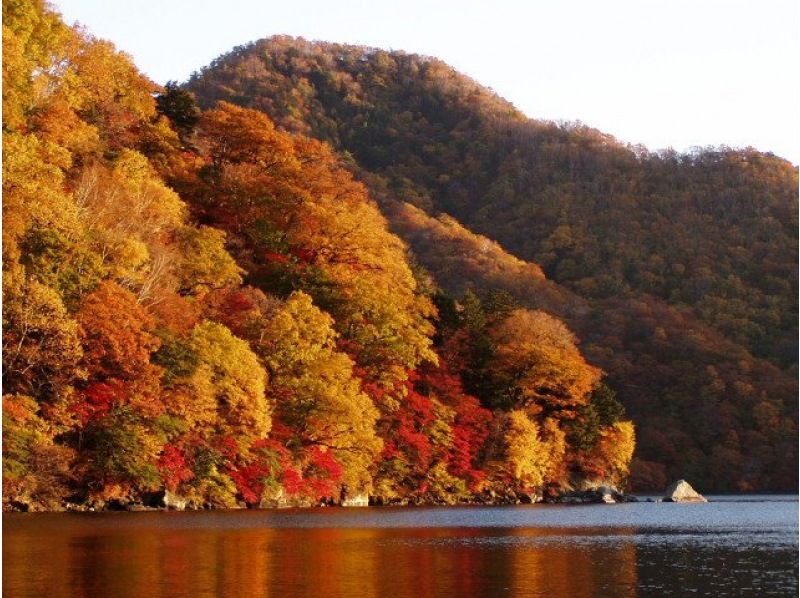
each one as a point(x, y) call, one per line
point(732, 546)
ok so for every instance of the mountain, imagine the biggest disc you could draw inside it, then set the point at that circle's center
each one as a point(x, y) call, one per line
point(202, 310)
point(686, 263)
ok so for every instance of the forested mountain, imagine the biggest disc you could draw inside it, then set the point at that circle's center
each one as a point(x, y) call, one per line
point(686, 263)
point(203, 309)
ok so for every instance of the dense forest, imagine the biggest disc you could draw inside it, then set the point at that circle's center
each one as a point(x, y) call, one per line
point(678, 271)
point(203, 308)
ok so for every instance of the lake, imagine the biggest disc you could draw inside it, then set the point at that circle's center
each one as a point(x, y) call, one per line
point(732, 546)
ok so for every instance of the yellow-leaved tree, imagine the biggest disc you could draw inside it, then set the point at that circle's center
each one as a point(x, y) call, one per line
point(228, 386)
point(317, 396)
point(616, 446)
point(537, 365)
point(534, 453)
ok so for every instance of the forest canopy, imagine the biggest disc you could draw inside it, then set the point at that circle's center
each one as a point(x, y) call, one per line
point(204, 308)
point(678, 271)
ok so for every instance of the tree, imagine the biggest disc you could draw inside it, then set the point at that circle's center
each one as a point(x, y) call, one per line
point(41, 347)
point(116, 334)
point(537, 365)
point(602, 410)
point(36, 470)
point(179, 106)
point(34, 40)
point(120, 453)
point(228, 386)
point(317, 395)
point(33, 192)
point(206, 265)
point(108, 92)
point(469, 426)
point(529, 458)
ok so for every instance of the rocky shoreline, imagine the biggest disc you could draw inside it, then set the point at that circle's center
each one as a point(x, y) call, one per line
point(680, 491)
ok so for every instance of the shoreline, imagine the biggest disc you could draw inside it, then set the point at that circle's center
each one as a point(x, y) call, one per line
point(570, 498)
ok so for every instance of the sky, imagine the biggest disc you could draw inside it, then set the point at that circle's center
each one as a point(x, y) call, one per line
point(663, 73)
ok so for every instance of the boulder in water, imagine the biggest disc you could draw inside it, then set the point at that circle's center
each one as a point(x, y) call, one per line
point(681, 491)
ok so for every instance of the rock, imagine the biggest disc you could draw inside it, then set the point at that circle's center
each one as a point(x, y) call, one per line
point(627, 498)
point(173, 501)
point(597, 495)
point(607, 494)
point(117, 504)
point(279, 500)
point(681, 491)
point(357, 500)
point(20, 506)
point(164, 499)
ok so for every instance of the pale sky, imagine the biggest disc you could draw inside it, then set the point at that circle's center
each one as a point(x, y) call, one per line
point(665, 73)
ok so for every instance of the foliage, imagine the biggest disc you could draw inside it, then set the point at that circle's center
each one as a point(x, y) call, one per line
point(537, 365)
point(204, 304)
point(230, 381)
point(318, 396)
point(37, 472)
point(298, 220)
point(706, 239)
point(41, 348)
point(530, 458)
point(179, 107)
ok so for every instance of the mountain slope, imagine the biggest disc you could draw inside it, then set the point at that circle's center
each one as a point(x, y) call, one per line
point(707, 241)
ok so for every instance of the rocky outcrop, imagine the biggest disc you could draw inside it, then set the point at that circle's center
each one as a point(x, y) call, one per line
point(280, 500)
point(163, 499)
point(173, 501)
point(356, 500)
point(681, 491)
point(596, 495)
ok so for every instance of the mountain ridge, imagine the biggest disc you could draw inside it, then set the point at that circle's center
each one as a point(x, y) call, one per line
point(715, 225)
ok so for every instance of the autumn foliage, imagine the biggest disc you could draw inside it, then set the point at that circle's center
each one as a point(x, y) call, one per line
point(678, 271)
point(203, 304)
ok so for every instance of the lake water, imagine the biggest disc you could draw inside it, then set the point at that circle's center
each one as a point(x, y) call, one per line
point(732, 546)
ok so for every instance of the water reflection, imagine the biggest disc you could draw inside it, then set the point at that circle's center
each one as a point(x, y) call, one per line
point(177, 554)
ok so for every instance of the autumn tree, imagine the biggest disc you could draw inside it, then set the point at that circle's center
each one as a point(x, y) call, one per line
point(533, 454)
point(537, 365)
point(37, 471)
point(41, 347)
point(118, 403)
point(301, 221)
point(317, 395)
point(229, 385)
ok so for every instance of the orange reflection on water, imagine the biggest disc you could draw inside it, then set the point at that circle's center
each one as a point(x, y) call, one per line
point(575, 563)
point(174, 554)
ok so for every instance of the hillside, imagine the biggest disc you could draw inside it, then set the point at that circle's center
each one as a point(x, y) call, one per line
point(693, 258)
point(201, 310)
point(465, 262)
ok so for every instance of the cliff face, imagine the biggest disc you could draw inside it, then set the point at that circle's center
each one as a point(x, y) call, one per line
point(678, 271)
